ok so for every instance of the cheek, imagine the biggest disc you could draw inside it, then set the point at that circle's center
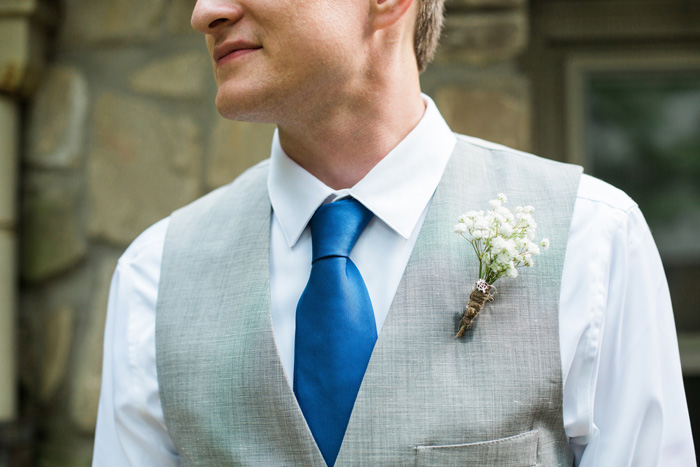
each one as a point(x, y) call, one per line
point(325, 45)
point(320, 27)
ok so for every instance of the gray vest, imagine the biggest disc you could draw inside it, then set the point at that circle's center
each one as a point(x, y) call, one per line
point(493, 398)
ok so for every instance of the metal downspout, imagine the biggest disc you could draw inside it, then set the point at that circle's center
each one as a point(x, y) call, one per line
point(8, 283)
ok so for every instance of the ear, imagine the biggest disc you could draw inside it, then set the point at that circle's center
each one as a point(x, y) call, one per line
point(386, 13)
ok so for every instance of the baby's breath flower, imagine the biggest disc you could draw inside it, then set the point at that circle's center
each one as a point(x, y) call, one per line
point(481, 224)
point(502, 258)
point(498, 244)
point(507, 230)
point(503, 241)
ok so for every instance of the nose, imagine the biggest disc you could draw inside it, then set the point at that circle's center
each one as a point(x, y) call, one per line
point(209, 15)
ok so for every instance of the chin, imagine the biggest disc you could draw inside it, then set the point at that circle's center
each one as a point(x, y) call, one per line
point(244, 107)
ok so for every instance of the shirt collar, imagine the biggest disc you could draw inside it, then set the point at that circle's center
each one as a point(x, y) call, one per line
point(396, 190)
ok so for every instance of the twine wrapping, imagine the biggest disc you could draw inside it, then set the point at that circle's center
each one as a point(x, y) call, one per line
point(477, 299)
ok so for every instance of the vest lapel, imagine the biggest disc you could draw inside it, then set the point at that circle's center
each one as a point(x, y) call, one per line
point(426, 306)
point(276, 400)
point(415, 388)
point(225, 263)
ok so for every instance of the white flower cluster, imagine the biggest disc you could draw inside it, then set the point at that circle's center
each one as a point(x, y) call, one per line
point(502, 240)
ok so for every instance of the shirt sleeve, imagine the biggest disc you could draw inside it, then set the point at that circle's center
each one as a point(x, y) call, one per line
point(639, 411)
point(130, 426)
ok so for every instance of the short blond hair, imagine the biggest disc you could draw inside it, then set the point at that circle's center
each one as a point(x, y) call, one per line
point(428, 27)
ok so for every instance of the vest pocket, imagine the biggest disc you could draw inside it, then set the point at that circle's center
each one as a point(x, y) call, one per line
point(513, 451)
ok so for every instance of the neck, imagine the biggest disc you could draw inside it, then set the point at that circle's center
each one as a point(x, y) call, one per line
point(343, 139)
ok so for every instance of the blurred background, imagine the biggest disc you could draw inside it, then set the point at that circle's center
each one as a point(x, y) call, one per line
point(107, 124)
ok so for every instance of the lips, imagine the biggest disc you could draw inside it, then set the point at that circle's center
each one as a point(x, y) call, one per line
point(233, 49)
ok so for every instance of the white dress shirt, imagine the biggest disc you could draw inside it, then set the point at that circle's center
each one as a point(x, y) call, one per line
point(624, 403)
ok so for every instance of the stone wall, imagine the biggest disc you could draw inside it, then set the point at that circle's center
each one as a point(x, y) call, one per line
point(475, 80)
point(122, 130)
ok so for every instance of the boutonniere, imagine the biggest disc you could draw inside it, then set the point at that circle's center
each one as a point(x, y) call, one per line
point(503, 241)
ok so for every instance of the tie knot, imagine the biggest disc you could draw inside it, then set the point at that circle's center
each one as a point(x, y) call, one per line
point(335, 227)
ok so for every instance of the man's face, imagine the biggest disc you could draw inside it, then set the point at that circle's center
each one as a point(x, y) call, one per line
point(276, 58)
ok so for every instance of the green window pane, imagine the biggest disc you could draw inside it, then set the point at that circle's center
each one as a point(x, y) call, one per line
point(643, 136)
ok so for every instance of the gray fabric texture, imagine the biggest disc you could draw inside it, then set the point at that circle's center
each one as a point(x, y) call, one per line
point(493, 397)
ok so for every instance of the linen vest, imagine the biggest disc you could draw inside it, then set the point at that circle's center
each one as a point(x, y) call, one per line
point(492, 398)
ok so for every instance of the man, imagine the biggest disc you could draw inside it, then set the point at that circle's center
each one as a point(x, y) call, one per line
point(213, 353)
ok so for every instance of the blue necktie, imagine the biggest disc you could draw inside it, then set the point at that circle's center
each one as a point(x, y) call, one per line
point(335, 327)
